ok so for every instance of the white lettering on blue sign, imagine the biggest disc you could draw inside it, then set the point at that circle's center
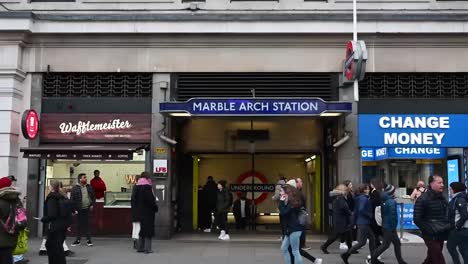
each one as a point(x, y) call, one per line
point(413, 138)
point(295, 106)
point(367, 153)
point(381, 152)
point(414, 122)
point(417, 151)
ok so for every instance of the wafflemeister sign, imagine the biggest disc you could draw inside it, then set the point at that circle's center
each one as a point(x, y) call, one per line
point(92, 128)
point(431, 131)
point(255, 107)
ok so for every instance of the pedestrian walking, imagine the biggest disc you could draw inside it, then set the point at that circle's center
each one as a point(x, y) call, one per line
point(342, 223)
point(57, 217)
point(145, 210)
point(276, 197)
point(299, 187)
point(83, 199)
point(43, 249)
point(289, 207)
point(430, 215)
point(223, 206)
point(458, 216)
point(351, 204)
point(136, 226)
point(389, 224)
point(418, 191)
point(9, 198)
point(210, 195)
point(362, 218)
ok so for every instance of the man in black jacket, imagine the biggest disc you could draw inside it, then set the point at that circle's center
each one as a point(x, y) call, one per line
point(430, 215)
point(83, 198)
point(210, 194)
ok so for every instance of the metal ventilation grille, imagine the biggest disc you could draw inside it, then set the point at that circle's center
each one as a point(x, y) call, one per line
point(189, 85)
point(97, 85)
point(414, 85)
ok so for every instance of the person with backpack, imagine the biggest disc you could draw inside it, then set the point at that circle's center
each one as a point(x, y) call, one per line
point(362, 218)
point(9, 199)
point(223, 206)
point(458, 216)
point(389, 223)
point(57, 217)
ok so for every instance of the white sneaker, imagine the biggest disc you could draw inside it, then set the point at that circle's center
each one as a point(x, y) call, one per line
point(354, 243)
point(343, 246)
point(225, 237)
point(208, 230)
point(369, 257)
point(318, 261)
point(222, 234)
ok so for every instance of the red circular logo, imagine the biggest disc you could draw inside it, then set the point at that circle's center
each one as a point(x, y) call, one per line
point(30, 124)
point(258, 177)
point(349, 63)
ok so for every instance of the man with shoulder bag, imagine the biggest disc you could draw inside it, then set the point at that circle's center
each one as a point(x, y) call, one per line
point(430, 215)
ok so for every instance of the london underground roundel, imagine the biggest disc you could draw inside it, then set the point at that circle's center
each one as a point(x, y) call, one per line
point(258, 178)
point(30, 124)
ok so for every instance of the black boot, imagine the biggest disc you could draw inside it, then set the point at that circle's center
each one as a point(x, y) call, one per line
point(148, 249)
point(345, 257)
point(141, 244)
point(135, 244)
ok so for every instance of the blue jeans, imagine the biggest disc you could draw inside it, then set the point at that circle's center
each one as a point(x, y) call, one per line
point(458, 239)
point(292, 240)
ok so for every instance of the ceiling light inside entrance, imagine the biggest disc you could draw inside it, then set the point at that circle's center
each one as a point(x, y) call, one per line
point(311, 158)
point(179, 114)
point(330, 114)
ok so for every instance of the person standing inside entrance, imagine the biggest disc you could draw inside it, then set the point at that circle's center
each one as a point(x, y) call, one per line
point(99, 186)
point(83, 198)
point(241, 210)
point(430, 215)
point(223, 206)
point(210, 194)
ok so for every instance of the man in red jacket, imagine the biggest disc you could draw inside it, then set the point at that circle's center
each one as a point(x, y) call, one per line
point(98, 185)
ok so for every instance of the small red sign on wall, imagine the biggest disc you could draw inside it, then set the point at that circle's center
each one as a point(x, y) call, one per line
point(30, 124)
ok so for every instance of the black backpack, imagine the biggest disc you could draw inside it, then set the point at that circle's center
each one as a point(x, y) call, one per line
point(66, 210)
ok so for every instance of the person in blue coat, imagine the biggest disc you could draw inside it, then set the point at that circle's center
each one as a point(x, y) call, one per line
point(389, 224)
point(362, 218)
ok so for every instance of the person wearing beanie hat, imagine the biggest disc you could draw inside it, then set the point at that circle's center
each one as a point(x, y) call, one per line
point(458, 216)
point(9, 198)
point(389, 224)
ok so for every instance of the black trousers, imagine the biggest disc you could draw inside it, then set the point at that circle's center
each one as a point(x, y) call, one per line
point(304, 253)
point(6, 255)
point(221, 221)
point(364, 233)
point(241, 223)
point(345, 236)
point(54, 246)
point(389, 237)
point(83, 224)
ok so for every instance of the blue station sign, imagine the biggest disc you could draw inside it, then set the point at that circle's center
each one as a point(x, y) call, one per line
point(413, 130)
point(255, 107)
point(375, 154)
